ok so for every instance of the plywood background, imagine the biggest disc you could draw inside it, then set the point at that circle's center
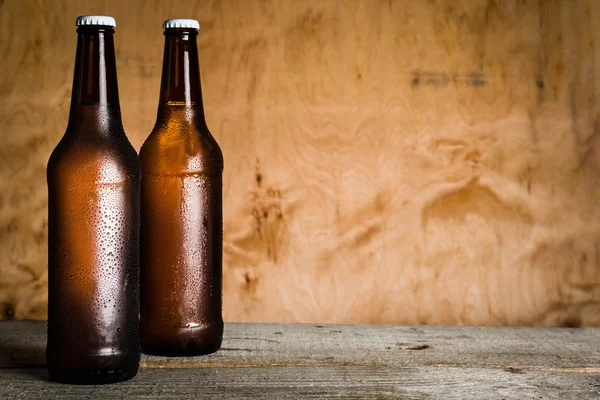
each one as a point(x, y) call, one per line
point(417, 162)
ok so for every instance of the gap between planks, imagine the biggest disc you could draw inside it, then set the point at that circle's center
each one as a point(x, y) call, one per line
point(510, 368)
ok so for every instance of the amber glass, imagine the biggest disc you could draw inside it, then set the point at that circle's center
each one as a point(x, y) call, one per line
point(93, 228)
point(181, 251)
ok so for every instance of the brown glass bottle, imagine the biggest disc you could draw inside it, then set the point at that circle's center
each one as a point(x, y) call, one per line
point(93, 226)
point(181, 249)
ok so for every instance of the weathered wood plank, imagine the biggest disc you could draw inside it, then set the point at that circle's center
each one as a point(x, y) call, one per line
point(288, 361)
point(315, 382)
point(22, 343)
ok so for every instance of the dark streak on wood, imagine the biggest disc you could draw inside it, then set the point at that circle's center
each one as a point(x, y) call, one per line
point(445, 79)
point(418, 347)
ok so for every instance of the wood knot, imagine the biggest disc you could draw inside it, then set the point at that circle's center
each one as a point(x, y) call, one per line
point(417, 347)
point(8, 311)
point(572, 322)
point(513, 370)
point(251, 282)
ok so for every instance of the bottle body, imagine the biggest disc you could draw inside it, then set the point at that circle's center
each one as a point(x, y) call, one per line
point(181, 242)
point(93, 230)
point(93, 248)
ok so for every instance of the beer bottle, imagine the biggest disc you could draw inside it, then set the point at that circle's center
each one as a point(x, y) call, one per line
point(93, 225)
point(181, 251)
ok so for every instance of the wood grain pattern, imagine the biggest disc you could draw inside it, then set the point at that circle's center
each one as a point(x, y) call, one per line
point(340, 382)
point(342, 361)
point(415, 162)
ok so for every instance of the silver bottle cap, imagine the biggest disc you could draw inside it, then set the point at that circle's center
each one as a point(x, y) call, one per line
point(181, 23)
point(90, 20)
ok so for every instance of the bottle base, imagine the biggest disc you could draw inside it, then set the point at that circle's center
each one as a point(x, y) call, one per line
point(92, 369)
point(175, 341)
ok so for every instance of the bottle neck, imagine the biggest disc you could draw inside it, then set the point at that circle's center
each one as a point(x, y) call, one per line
point(180, 88)
point(95, 95)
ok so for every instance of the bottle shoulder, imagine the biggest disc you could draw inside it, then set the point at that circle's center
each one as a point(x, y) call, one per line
point(94, 158)
point(174, 150)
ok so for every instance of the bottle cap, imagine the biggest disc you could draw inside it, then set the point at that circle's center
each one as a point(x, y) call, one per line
point(181, 23)
point(90, 20)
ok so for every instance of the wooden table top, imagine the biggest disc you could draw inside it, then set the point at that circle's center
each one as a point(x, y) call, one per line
point(344, 361)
